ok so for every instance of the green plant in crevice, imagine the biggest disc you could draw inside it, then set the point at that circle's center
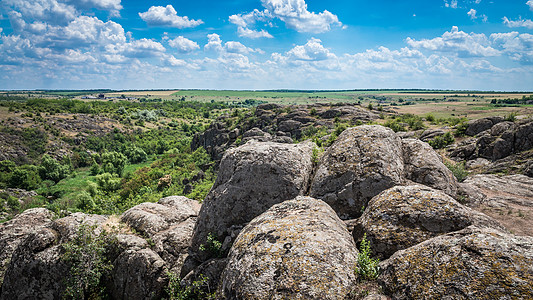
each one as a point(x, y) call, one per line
point(87, 256)
point(195, 291)
point(212, 246)
point(458, 170)
point(367, 267)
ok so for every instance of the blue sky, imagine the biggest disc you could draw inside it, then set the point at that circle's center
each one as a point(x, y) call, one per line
point(266, 44)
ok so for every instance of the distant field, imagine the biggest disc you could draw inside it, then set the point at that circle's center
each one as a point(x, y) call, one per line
point(442, 104)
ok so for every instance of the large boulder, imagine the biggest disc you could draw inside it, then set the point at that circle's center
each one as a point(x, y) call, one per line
point(403, 216)
point(474, 263)
point(14, 231)
point(423, 165)
point(480, 125)
point(298, 249)
point(251, 179)
point(37, 269)
point(361, 163)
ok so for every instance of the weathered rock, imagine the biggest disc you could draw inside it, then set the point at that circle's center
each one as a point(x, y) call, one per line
point(298, 249)
point(138, 274)
point(508, 199)
point(252, 178)
point(431, 134)
point(480, 125)
point(403, 216)
point(151, 218)
point(14, 231)
point(475, 263)
point(423, 165)
point(210, 270)
point(361, 163)
point(68, 226)
point(524, 137)
point(36, 270)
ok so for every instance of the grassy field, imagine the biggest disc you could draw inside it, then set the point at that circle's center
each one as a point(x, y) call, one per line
point(442, 104)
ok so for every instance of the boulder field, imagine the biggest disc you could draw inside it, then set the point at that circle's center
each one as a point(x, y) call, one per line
point(274, 226)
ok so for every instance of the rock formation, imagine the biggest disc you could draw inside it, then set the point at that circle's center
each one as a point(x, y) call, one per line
point(298, 249)
point(474, 263)
point(252, 178)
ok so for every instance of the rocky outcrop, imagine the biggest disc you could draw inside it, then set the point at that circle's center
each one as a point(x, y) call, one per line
point(404, 216)
point(276, 123)
point(298, 249)
point(252, 178)
point(480, 125)
point(15, 231)
point(361, 163)
point(423, 165)
point(38, 269)
point(475, 263)
point(506, 198)
point(496, 142)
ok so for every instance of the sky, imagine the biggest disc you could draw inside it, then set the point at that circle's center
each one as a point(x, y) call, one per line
point(267, 44)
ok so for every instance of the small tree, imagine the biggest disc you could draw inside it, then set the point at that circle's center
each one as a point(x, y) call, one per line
point(114, 162)
point(51, 169)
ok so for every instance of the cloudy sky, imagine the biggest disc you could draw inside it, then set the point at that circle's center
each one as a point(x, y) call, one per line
point(266, 44)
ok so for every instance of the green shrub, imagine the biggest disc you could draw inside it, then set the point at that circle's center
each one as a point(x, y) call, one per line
point(442, 141)
point(107, 182)
point(212, 246)
point(113, 162)
point(458, 170)
point(367, 267)
point(87, 257)
point(510, 117)
point(51, 169)
point(196, 291)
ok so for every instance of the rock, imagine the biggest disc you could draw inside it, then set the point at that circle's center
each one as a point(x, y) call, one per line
point(14, 231)
point(477, 163)
point(138, 274)
point(475, 263)
point(151, 218)
point(423, 165)
point(431, 134)
point(506, 198)
point(480, 125)
point(298, 249)
point(251, 179)
point(210, 270)
point(524, 137)
point(502, 127)
point(68, 226)
point(403, 216)
point(254, 132)
point(361, 163)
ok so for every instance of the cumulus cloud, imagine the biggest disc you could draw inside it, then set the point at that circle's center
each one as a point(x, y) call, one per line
point(183, 44)
point(458, 42)
point(296, 16)
point(518, 47)
point(518, 23)
point(214, 43)
point(109, 5)
point(49, 11)
point(452, 4)
point(472, 13)
point(313, 50)
point(168, 17)
point(530, 4)
point(293, 13)
point(253, 34)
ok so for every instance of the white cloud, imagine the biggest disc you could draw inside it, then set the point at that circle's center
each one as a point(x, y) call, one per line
point(518, 47)
point(214, 43)
point(183, 45)
point(457, 42)
point(296, 16)
point(530, 4)
point(293, 13)
point(110, 5)
point(49, 11)
point(313, 50)
point(176, 62)
point(167, 16)
point(452, 4)
point(478, 1)
point(472, 14)
point(518, 23)
point(253, 34)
